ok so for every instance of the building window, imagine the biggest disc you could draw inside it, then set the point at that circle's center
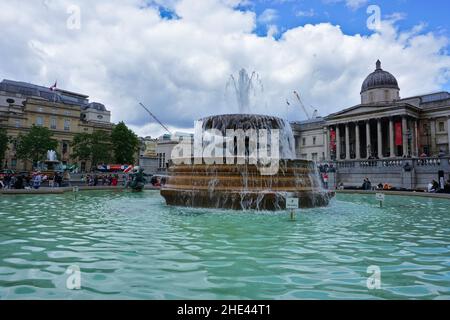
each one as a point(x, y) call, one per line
point(162, 160)
point(386, 95)
point(303, 141)
point(314, 156)
point(39, 121)
point(441, 127)
point(314, 140)
point(18, 124)
point(304, 156)
point(65, 147)
point(66, 125)
point(13, 163)
point(371, 97)
point(53, 123)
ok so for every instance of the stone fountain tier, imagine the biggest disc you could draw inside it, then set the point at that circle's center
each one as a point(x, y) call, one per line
point(248, 122)
point(242, 187)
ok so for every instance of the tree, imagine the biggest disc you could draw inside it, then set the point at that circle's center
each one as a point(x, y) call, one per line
point(82, 146)
point(34, 145)
point(3, 145)
point(95, 147)
point(125, 144)
point(101, 147)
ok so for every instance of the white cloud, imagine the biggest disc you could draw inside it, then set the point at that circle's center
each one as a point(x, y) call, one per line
point(126, 53)
point(355, 4)
point(308, 13)
point(268, 16)
point(396, 16)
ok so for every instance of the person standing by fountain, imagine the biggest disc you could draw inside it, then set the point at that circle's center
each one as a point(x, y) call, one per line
point(37, 180)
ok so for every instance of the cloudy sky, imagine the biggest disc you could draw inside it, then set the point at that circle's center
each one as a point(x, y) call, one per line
point(176, 56)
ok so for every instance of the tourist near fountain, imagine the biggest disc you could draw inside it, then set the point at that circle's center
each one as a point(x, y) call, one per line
point(242, 161)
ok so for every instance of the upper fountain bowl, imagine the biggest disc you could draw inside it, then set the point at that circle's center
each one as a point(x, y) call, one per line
point(254, 122)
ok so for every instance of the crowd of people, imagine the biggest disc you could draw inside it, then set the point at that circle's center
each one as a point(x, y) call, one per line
point(33, 180)
point(102, 180)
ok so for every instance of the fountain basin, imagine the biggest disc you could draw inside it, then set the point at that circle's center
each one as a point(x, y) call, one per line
point(242, 187)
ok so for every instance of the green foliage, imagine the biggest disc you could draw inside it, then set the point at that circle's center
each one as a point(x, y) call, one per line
point(125, 144)
point(95, 147)
point(3, 145)
point(34, 145)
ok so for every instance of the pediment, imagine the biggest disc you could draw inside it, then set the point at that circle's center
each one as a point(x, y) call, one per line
point(366, 110)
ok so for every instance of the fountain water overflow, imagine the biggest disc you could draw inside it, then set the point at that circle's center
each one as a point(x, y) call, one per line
point(242, 161)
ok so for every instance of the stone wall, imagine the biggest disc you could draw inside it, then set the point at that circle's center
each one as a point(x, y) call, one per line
point(394, 172)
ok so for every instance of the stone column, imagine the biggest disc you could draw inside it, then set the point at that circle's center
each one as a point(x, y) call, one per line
point(338, 143)
point(380, 139)
point(347, 142)
point(433, 150)
point(391, 137)
point(358, 142)
point(368, 142)
point(415, 144)
point(326, 143)
point(405, 136)
point(448, 133)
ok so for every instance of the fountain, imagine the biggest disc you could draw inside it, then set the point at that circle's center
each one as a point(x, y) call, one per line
point(228, 164)
point(51, 166)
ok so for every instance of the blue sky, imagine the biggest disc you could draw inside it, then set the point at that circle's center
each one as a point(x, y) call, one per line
point(292, 13)
point(433, 15)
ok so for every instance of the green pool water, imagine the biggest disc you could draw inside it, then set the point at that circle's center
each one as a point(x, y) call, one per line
point(132, 246)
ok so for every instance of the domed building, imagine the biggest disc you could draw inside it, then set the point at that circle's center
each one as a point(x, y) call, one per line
point(379, 86)
point(383, 131)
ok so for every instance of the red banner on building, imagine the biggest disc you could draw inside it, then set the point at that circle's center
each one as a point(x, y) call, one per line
point(333, 139)
point(398, 134)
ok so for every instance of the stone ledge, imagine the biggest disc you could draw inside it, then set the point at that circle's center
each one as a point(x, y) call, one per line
point(63, 190)
point(399, 193)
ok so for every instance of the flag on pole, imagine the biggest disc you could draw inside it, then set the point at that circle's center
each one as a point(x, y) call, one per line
point(53, 87)
point(127, 170)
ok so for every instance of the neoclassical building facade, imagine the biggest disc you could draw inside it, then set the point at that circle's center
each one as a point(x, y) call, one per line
point(382, 126)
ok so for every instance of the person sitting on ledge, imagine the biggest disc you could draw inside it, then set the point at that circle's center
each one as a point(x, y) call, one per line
point(447, 186)
point(380, 186)
point(433, 186)
point(367, 185)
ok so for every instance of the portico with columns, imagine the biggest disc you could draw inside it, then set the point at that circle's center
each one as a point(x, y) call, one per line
point(370, 133)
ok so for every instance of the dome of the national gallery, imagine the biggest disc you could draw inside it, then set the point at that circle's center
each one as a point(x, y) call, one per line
point(379, 79)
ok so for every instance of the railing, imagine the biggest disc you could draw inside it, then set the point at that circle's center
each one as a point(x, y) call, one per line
point(393, 163)
point(430, 162)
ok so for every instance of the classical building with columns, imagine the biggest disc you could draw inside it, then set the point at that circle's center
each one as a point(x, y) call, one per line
point(383, 127)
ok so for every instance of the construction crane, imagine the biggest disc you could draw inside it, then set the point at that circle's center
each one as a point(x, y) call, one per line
point(154, 117)
point(315, 112)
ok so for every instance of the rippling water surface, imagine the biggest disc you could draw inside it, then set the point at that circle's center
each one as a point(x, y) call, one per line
point(131, 246)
